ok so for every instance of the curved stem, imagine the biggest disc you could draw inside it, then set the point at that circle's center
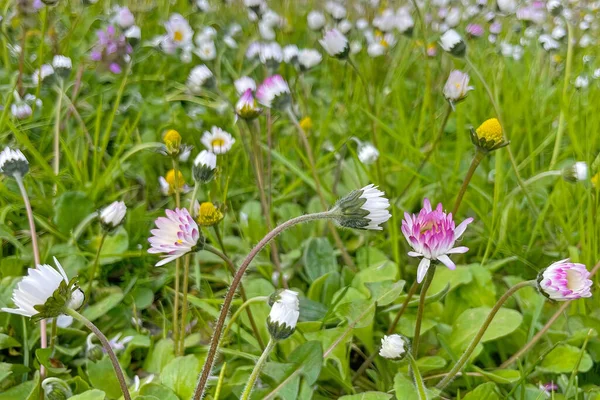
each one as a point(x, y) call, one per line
point(463, 189)
point(475, 341)
point(419, 320)
point(256, 371)
point(318, 187)
point(95, 267)
point(232, 269)
point(563, 98)
point(214, 343)
point(107, 348)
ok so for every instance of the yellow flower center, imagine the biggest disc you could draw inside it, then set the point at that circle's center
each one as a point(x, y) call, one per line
point(217, 142)
point(178, 36)
point(596, 180)
point(208, 214)
point(384, 43)
point(306, 123)
point(491, 131)
point(172, 141)
point(170, 178)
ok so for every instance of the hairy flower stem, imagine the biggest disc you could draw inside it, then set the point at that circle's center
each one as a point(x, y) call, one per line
point(178, 260)
point(463, 189)
point(107, 348)
point(417, 377)
point(56, 161)
point(313, 167)
point(218, 328)
point(88, 292)
point(563, 98)
point(545, 328)
point(475, 341)
point(184, 303)
point(367, 363)
point(243, 295)
point(511, 156)
point(36, 254)
point(435, 143)
point(256, 371)
point(421, 308)
point(53, 332)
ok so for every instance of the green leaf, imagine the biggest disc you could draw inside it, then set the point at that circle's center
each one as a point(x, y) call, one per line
point(143, 297)
point(501, 376)
point(161, 354)
point(70, 209)
point(25, 391)
point(405, 388)
point(44, 358)
point(563, 359)
point(159, 391)
point(323, 288)
point(102, 376)
point(319, 258)
point(180, 375)
point(367, 396)
point(486, 391)
point(468, 323)
point(93, 394)
point(114, 244)
point(8, 342)
point(102, 307)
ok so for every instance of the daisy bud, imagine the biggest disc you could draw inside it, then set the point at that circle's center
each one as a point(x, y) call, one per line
point(21, 110)
point(243, 84)
point(363, 209)
point(133, 34)
point(205, 166)
point(308, 58)
point(45, 293)
point(274, 92)
point(172, 141)
point(367, 153)
point(246, 107)
point(217, 140)
point(576, 172)
point(457, 86)
point(453, 43)
point(42, 74)
point(112, 215)
point(488, 137)
point(93, 352)
point(316, 20)
point(56, 389)
point(176, 235)
point(62, 65)
point(13, 162)
point(170, 183)
point(284, 314)
point(208, 214)
point(554, 7)
point(565, 280)
point(394, 347)
point(335, 44)
point(200, 76)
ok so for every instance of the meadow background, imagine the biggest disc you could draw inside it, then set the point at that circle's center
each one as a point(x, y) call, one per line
point(111, 130)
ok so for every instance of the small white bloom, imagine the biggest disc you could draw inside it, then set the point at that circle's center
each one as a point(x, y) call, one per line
point(394, 347)
point(582, 82)
point(507, 6)
point(457, 86)
point(362, 24)
point(367, 153)
point(123, 17)
point(133, 33)
point(21, 110)
point(548, 43)
point(113, 214)
point(270, 53)
point(335, 43)
point(244, 83)
point(274, 92)
point(581, 170)
point(308, 58)
point(344, 26)
point(336, 10)
point(554, 7)
point(179, 31)
point(266, 31)
point(375, 49)
point(13, 162)
point(596, 74)
point(290, 53)
point(206, 50)
point(285, 310)
point(207, 159)
point(61, 62)
point(453, 43)
point(352, 208)
point(316, 20)
point(217, 140)
point(199, 77)
point(39, 75)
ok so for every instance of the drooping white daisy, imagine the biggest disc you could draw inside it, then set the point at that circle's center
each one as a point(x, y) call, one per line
point(285, 310)
point(366, 208)
point(13, 162)
point(204, 167)
point(112, 215)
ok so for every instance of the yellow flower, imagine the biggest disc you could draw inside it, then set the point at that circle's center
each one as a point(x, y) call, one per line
point(209, 214)
point(306, 123)
point(489, 134)
point(172, 141)
point(170, 178)
point(596, 180)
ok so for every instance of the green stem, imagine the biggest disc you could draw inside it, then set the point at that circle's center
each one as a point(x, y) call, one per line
point(463, 189)
point(177, 261)
point(467, 354)
point(53, 332)
point(95, 266)
point(256, 371)
point(218, 329)
point(418, 378)
point(56, 161)
point(236, 314)
point(563, 98)
point(107, 348)
point(422, 297)
point(184, 303)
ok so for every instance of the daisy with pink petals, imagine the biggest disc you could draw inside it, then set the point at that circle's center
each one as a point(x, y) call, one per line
point(565, 280)
point(432, 234)
point(177, 234)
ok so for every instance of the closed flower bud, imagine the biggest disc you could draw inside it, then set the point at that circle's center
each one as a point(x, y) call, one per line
point(457, 86)
point(62, 65)
point(13, 162)
point(394, 347)
point(93, 352)
point(246, 107)
point(565, 280)
point(488, 136)
point(112, 215)
point(363, 209)
point(172, 141)
point(576, 172)
point(453, 43)
point(367, 153)
point(285, 310)
point(208, 214)
point(205, 166)
point(554, 7)
point(56, 389)
point(335, 44)
point(274, 92)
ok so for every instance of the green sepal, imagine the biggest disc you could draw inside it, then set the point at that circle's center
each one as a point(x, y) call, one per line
point(56, 304)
